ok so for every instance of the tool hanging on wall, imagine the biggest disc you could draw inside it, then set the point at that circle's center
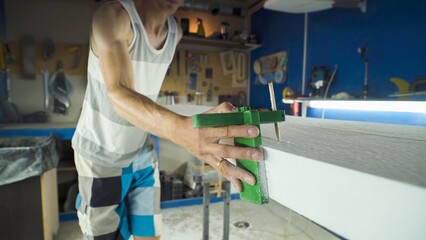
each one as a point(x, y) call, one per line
point(28, 57)
point(209, 93)
point(208, 73)
point(60, 87)
point(239, 78)
point(227, 61)
point(195, 61)
point(77, 51)
point(49, 49)
point(241, 67)
point(242, 99)
point(8, 57)
point(192, 81)
point(45, 74)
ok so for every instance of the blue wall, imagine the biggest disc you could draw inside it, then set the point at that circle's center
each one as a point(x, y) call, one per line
point(393, 31)
point(277, 32)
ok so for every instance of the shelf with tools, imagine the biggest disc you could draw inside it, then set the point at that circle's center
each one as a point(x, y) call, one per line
point(198, 43)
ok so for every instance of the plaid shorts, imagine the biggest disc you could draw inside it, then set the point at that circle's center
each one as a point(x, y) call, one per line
point(117, 203)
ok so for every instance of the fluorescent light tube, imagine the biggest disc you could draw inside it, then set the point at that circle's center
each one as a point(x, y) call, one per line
point(382, 106)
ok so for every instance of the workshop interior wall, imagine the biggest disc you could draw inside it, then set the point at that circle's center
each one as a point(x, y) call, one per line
point(393, 32)
point(67, 24)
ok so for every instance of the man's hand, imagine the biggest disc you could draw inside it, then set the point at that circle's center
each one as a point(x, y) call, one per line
point(203, 143)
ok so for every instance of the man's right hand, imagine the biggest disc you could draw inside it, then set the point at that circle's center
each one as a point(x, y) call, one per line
point(204, 144)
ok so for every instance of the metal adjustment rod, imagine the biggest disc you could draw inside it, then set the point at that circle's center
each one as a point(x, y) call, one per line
point(274, 108)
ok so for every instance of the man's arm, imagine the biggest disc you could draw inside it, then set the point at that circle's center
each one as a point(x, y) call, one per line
point(110, 29)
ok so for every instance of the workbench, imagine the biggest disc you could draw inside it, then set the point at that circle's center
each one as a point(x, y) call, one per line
point(359, 180)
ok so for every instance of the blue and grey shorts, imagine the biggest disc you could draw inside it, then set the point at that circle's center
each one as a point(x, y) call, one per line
point(116, 203)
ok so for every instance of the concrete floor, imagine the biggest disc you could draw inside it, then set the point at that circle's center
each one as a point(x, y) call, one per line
point(267, 222)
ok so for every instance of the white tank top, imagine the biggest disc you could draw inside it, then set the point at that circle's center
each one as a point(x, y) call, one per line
point(101, 134)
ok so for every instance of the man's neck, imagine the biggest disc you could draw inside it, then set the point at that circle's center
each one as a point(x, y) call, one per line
point(153, 18)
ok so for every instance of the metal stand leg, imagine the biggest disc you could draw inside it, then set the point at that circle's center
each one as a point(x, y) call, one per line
point(226, 210)
point(206, 202)
point(226, 203)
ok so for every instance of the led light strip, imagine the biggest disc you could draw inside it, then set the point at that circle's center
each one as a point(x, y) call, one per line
point(383, 106)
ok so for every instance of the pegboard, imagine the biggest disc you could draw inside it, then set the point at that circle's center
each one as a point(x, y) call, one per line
point(208, 63)
point(64, 52)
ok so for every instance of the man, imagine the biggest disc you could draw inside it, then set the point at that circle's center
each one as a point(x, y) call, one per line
point(131, 45)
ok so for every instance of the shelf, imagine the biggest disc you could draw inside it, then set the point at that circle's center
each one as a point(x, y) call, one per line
point(233, 8)
point(195, 43)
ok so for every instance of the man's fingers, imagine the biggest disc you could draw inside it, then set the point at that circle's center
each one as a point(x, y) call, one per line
point(232, 131)
point(229, 151)
point(236, 182)
point(232, 172)
point(229, 169)
point(223, 108)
